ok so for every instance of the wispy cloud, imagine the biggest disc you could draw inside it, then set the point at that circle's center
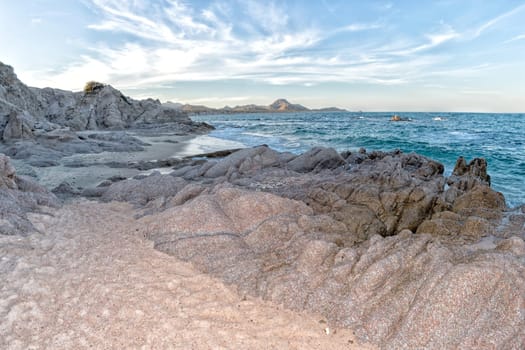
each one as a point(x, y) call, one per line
point(432, 41)
point(492, 22)
point(358, 27)
point(516, 38)
point(178, 43)
point(171, 41)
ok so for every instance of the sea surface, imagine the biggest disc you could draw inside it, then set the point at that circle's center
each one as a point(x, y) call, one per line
point(499, 138)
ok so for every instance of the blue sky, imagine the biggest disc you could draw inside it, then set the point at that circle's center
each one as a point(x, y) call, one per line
point(442, 55)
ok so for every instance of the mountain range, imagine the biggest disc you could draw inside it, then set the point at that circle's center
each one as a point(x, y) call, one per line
point(278, 106)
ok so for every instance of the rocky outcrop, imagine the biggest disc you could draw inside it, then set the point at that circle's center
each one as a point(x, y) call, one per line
point(406, 291)
point(16, 96)
point(43, 125)
point(371, 240)
point(18, 197)
point(369, 193)
point(97, 109)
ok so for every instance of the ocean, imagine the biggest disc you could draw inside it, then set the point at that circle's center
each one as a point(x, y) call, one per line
point(499, 138)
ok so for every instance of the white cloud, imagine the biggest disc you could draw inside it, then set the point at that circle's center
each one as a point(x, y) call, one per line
point(178, 43)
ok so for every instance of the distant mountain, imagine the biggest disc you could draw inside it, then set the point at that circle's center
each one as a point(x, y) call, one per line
point(279, 106)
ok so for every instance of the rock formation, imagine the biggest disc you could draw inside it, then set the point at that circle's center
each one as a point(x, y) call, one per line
point(95, 109)
point(41, 125)
point(374, 241)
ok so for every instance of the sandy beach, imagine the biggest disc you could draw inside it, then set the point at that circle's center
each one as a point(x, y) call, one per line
point(88, 280)
point(94, 168)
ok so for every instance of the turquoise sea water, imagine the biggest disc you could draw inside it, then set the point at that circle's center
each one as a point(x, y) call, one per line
point(499, 138)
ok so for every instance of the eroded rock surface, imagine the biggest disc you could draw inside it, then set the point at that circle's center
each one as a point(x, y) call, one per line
point(402, 291)
point(374, 241)
point(18, 197)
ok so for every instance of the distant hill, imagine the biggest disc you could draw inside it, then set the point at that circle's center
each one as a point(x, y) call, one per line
point(278, 106)
point(281, 105)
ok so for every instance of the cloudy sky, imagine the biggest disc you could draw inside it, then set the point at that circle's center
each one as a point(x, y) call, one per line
point(441, 55)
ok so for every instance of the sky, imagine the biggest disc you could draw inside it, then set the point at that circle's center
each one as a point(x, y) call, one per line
point(441, 55)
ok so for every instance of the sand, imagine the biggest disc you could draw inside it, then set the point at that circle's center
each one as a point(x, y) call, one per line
point(90, 281)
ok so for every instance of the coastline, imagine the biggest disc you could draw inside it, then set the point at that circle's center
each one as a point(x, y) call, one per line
point(319, 233)
point(444, 137)
point(90, 169)
point(381, 245)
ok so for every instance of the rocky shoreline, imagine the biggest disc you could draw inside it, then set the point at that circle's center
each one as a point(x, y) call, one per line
point(379, 242)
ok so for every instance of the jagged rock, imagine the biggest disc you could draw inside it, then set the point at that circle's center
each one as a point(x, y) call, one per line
point(514, 244)
point(16, 96)
point(65, 190)
point(465, 177)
